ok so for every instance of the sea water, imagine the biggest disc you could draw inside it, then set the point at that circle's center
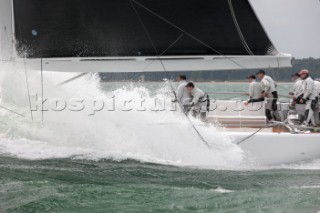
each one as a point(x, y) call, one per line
point(130, 150)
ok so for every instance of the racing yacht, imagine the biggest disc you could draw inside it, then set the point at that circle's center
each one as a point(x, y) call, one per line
point(84, 36)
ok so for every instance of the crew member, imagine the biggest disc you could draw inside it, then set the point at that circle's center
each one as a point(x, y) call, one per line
point(200, 103)
point(255, 91)
point(182, 95)
point(309, 97)
point(297, 88)
point(317, 86)
point(269, 91)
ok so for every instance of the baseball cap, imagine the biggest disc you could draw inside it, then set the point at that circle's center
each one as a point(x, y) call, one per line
point(295, 75)
point(251, 76)
point(190, 84)
point(261, 72)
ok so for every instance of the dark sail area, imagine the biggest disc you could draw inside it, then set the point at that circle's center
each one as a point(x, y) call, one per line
point(94, 28)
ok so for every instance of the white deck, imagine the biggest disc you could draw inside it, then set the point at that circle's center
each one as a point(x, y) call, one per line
point(235, 114)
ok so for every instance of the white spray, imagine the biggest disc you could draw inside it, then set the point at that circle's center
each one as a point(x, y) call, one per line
point(163, 136)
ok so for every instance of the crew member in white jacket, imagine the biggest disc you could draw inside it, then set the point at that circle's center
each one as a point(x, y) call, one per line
point(200, 103)
point(269, 91)
point(297, 87)
point(317, 87)
point(309, 97)
point(182, 95)
point(255, 90)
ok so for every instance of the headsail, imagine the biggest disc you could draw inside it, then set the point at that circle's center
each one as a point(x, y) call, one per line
point(113, 35)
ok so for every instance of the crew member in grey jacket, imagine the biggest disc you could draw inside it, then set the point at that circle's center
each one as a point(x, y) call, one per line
point(183, 96)
point(269, 91)
point(255, 90)
point(200, 103)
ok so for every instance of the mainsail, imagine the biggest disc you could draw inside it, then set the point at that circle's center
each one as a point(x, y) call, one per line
point(137, 35)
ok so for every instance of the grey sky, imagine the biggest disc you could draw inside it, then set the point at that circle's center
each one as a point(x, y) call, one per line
point(293, 25)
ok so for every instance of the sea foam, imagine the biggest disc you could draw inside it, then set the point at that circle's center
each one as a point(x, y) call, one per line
point(159, 136)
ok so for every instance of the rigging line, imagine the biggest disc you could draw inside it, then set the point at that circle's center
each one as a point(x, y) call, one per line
point(28, 89)
point(41, 60)
point(166, 73)
point(278, 63)
point(8, 40)
point(171, 45)
point(248, 137)
point(41, 65)
point(3, 123)
point(152, 43)
point(273, 77)
point(245, 44)
point(143, 26)
point(71, 79)
point(13, 31)
point(11, 111)
point(41, 90)
point(276, 124)
point(188, 34)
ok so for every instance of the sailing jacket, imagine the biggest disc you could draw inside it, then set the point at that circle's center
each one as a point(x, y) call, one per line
point(309, 91)
point(255, 90)
point(183, 95)
point(317, 88)
point(268, 85)
point(198, 96)
point(297, 87)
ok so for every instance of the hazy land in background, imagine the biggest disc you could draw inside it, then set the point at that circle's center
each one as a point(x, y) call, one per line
point(283, 74)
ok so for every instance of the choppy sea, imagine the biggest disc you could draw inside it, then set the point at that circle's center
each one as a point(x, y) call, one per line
point(130, 150)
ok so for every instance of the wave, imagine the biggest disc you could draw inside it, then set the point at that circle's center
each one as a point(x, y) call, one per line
point(146, 129)
point(157, 133)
